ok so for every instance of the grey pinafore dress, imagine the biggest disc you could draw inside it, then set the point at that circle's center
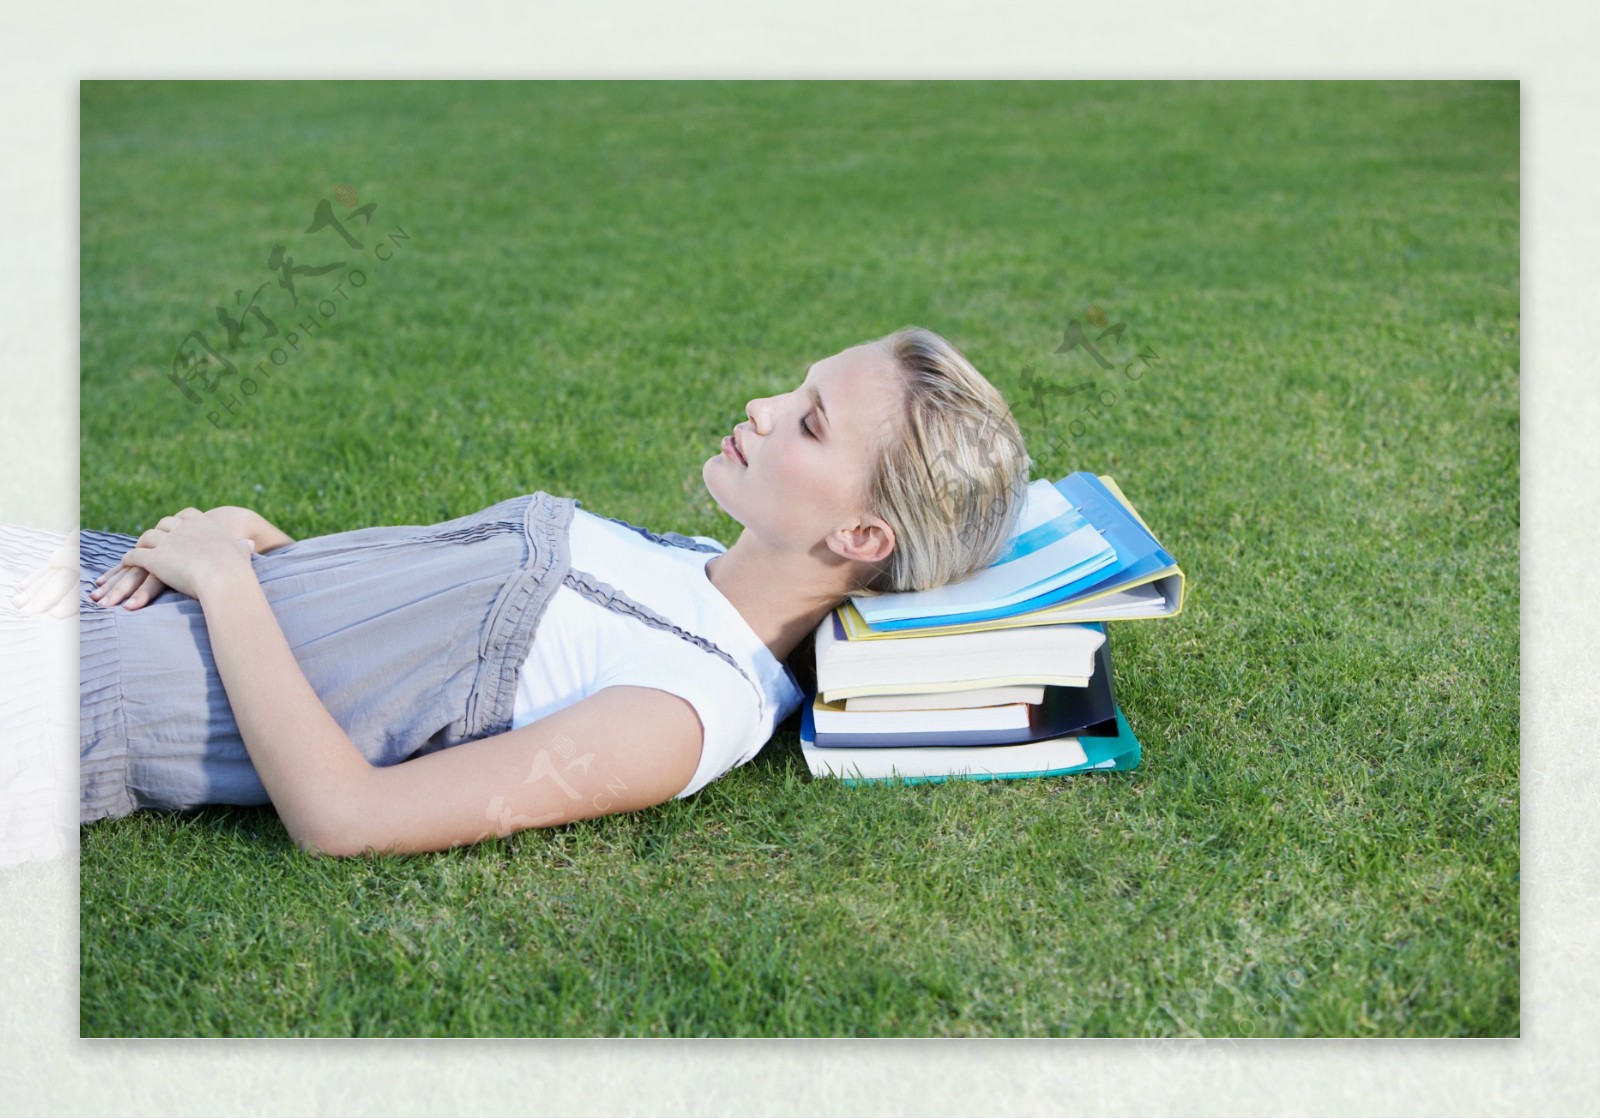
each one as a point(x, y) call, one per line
point(412, 636)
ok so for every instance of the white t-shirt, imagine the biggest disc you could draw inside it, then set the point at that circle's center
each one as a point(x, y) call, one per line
point(581, 646)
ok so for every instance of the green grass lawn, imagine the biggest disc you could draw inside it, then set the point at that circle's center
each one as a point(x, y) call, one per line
point(589, 281)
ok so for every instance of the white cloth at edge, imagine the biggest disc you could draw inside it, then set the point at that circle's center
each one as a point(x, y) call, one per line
point(38, 710)
point(581, 647)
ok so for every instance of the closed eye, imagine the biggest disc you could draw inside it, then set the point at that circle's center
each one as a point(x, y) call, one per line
point(808, 432)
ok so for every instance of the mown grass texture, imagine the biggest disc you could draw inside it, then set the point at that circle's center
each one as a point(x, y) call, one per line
point(594, 278)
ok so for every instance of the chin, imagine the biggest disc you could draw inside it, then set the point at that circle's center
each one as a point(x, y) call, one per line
point(705, 478)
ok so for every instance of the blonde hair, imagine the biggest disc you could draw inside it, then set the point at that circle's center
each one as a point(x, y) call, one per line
point(953, 483)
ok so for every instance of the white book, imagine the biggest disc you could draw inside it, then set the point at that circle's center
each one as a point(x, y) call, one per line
point(832, 718)
point(1050, 755)
point(944, 701)
point(1060, 655)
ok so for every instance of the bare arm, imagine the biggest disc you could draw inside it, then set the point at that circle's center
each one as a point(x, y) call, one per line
point(621, 749)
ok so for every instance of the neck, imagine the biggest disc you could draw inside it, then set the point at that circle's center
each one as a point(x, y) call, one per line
point(782, 596)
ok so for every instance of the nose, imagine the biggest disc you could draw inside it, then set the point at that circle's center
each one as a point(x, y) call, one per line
point(759, 411)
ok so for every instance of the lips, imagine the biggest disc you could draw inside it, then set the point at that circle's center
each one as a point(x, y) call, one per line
point(730, 447)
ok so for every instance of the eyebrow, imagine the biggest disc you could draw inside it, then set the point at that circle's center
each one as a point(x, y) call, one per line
point(816, 397)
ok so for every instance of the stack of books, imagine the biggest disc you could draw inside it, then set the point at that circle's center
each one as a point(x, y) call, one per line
point(1005, 674)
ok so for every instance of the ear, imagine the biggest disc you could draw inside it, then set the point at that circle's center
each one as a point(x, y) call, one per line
point(868, 539)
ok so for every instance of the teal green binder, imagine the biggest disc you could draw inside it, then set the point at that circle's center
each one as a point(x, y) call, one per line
point(1112, 753)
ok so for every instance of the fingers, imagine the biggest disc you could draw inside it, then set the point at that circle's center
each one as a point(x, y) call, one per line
point(66, 606)
point(112, 572)
point(22, 598)
point(131, 586)
point(55, 594)
point(122, 565)
point(63, 558)
point(147, 590)
point(110, 586)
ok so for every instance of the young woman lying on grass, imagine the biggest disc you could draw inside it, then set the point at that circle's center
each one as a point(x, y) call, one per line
point(413, 688)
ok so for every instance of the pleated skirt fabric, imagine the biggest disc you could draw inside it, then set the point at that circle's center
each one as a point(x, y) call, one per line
point(412, 636)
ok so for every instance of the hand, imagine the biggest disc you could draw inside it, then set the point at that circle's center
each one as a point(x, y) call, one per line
point(187, 551)
point(52, 589)
point(133, 586)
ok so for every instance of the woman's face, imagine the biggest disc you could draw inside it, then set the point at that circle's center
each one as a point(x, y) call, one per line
point(796, 472)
